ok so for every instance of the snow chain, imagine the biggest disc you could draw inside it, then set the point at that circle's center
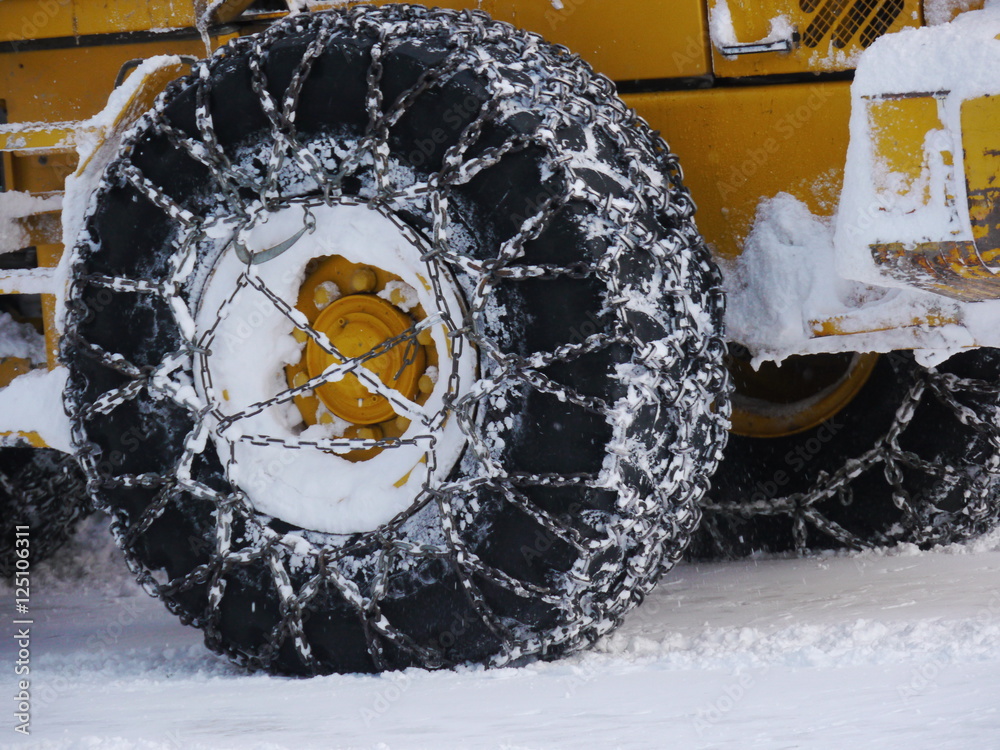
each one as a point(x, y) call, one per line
point(685, 369)
point(921, 521)
point(47, 492)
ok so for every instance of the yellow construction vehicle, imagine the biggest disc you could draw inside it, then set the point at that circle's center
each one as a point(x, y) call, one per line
point(389, 336)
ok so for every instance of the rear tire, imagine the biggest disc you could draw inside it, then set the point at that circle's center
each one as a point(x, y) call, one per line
point(44, 491)
point(913, 458)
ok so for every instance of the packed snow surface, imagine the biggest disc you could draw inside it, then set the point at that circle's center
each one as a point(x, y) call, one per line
point(875, 650)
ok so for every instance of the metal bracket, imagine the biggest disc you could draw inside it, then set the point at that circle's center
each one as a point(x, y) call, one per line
point(754, 48)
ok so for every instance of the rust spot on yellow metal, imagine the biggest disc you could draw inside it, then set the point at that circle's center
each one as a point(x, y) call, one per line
point(801, 393)
point(842, 325)
point(953, 269)
point(981, 144)
point(967, 270)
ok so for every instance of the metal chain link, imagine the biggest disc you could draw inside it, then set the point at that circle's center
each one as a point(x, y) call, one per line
point(921, 521)
point(46, 491)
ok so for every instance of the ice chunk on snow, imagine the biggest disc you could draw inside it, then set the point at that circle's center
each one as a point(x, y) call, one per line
point(20, 340)
point(15, 205)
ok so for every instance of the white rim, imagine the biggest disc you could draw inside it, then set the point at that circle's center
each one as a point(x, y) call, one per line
point(285, 469)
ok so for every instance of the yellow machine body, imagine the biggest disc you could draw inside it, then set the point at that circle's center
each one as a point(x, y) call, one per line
point(753, 95)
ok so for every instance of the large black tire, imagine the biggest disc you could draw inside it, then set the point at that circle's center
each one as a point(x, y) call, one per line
point(914, 458)
point(599, 417)
point(43, 490)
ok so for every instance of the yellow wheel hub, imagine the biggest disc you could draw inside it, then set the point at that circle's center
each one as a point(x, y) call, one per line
point(356, 325)
point(359, 308)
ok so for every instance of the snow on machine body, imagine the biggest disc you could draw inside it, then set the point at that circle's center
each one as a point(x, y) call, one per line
point(386, 336)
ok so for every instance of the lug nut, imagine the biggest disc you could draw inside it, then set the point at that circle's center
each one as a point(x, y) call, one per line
point(324, 294)
point(363, 280)
point(370, 432)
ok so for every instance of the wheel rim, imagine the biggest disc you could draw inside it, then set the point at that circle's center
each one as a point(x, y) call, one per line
point(336, 444)
point(801, 393)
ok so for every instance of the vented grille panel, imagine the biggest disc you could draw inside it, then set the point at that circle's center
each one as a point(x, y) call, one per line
point(846, 17)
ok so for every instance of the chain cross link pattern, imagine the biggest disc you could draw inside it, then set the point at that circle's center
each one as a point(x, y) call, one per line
point(662, 307)
point(927, 515)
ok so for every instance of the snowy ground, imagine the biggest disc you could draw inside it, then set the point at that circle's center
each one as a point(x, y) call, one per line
point(873, 650)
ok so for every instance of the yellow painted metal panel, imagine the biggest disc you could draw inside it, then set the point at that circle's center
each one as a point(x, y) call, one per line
point(21, 20)
point(110, 16)
point(37, 88)
point(623, 39)
point(981, 146)
point(899, 128)
point(11, 367)
point(44, 173)
point(739, 145)
point(37, 139)
point(165, 14)
point(829, 34)
point(48, 257)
